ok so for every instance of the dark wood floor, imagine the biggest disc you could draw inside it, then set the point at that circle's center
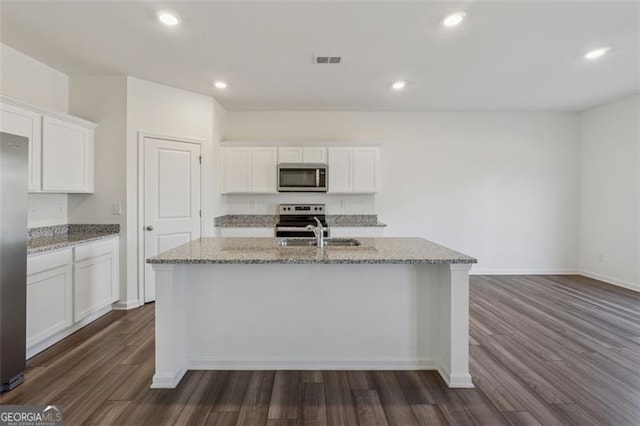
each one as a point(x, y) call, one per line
point(544, 350)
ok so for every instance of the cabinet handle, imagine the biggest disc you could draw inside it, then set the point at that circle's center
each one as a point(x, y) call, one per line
point(149, 228)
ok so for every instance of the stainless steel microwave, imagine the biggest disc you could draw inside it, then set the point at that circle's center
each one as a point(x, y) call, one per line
point(302, 177)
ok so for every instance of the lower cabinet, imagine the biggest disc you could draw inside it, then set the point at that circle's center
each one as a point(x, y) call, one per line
point(65, 287)
point(95, 273)
point(49, 295)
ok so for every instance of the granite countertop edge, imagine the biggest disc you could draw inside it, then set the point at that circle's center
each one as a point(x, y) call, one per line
point(46, 239)
point(264, 250)
point(268, 221)
point(310, 261)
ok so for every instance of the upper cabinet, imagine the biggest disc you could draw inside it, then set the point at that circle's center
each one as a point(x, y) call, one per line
point(67, 156)
point(253, 169)
point(22, 122)
point(60, 146)
point(354, 170)
point(249, 170)
point(298, 154)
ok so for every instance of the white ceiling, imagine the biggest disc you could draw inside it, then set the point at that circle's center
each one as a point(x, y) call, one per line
point(505, 55)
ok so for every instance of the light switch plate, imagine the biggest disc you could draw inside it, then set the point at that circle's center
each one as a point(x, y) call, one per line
point(116, 209)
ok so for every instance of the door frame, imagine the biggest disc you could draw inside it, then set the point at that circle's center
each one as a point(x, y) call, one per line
point(142, 135)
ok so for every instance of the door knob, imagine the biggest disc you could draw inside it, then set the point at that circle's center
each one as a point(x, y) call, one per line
point(149, 228)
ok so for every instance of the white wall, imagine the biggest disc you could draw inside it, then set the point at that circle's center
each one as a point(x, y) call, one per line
point(30, 80)
point(499, 186)
point(610, 192)
point(160, 109)
point(103, 99)
point(25, 78)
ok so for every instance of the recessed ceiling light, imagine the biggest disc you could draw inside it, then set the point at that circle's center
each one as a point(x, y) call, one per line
point(168, 19)
point(220, 85)
point(453, 19)
point(398, 85)
point(596, 53)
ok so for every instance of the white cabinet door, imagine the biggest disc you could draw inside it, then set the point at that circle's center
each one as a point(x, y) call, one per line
point(49, 295)
point(236, 166)
point(299, 154)
point(22, 122)
point(314, 154)
point(67, 156)
point(289, 154)
point(249, 170)
point(95, 274)
point(340, 170)
point(365, 169)
point(264, 170)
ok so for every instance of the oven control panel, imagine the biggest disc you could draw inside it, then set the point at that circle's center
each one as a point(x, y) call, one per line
point(301, 209)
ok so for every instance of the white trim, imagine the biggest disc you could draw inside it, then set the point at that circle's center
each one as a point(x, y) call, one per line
point(475, 271)
point(46, 111)
point(126, 305)
point(215, 363)
point(41, 346)
point(612, 281)
point(165, 381)
point(455, 380)
point(140, 196)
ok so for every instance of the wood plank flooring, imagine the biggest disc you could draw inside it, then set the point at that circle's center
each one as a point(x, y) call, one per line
point(550, 350)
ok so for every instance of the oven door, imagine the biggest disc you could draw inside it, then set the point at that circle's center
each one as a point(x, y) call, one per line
point(302, 178)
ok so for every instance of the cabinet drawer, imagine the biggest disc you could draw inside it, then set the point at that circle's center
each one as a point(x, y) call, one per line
point(43, 262)
point(94, 250)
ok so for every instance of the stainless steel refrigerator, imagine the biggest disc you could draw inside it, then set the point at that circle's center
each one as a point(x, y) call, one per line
point(13, 259)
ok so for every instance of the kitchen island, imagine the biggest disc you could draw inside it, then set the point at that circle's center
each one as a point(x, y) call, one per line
point(248, 303)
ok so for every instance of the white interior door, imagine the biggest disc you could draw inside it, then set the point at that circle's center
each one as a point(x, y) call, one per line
point(171, 199)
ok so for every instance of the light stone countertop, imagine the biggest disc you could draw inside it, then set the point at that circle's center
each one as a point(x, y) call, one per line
point(266, 250)
point(50, 238)
point(268, 221)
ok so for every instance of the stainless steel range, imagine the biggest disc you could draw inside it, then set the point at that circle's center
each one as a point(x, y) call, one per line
point(294, 219)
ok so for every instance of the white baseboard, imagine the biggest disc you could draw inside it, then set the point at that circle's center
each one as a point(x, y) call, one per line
point(167, 381)
point(50, 341)
point(213, 363)
point(475, 271)
point(613, 281)
point(126, 305)
point(455, 380)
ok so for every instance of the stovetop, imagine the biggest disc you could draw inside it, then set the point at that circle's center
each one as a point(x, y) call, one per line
point(301, 215)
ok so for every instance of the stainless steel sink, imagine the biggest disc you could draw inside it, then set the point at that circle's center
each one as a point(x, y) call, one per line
point(311, 242)
point(341, 242)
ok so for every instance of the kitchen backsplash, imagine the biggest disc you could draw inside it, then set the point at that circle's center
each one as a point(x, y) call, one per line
point(268, 204)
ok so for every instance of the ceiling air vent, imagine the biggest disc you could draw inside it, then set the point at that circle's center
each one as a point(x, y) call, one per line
point(327, 59)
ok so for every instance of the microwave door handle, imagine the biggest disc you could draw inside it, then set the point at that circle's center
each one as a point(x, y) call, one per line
point(317, 178)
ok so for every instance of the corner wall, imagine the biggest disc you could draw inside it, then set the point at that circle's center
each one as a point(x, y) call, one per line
point(103, 99)
point(164, 110)
point(609, 247)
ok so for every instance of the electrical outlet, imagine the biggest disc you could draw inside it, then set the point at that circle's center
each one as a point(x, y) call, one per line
point(33, 211)
point(60, 212)
point(252, 204)
point(343, 204)
point(601, 258)
point(116, 209)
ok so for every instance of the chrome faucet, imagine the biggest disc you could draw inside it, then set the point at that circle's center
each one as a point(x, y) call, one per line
point(318, 231)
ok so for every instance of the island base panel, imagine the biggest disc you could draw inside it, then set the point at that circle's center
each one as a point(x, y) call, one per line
point(312, 316)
